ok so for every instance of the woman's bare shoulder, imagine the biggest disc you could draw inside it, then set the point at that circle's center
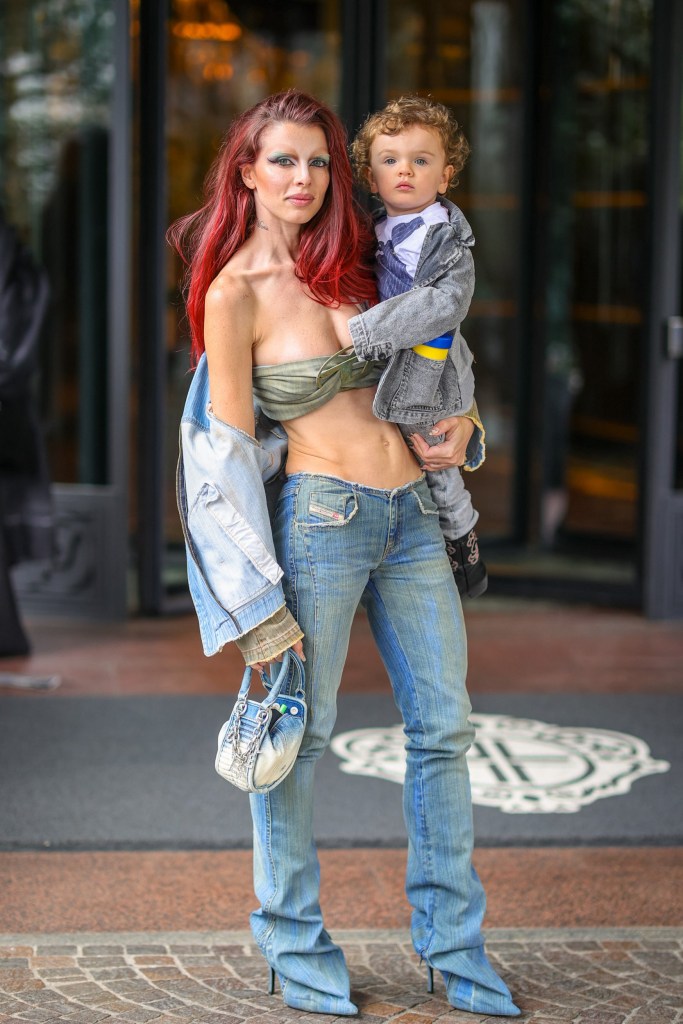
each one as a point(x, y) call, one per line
point(229, 314)
point(230, 290)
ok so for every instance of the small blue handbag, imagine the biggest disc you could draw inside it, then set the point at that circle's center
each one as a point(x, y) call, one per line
point(258, 744)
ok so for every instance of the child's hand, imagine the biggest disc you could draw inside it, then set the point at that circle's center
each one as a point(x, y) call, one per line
point(453, 449)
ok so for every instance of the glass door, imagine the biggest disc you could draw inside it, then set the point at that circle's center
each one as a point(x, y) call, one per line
point(592, 289)
point(555, 100)
point(221, 60)
point(62, 138)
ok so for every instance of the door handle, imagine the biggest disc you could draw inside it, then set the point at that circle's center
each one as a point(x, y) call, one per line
point(674, 337)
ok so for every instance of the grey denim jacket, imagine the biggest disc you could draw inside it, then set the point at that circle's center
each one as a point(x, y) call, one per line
point(412, 389)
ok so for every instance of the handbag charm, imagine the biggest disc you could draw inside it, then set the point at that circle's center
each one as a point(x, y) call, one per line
point(258, 744)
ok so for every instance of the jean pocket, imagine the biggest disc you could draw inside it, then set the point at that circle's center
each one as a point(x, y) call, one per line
point(419, 388)
point(425, 502)
point(321, 509)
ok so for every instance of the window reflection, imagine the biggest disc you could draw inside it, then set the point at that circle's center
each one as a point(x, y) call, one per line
point(223, 58)
point(596, 272)
point(57, 72)
point(590, 221)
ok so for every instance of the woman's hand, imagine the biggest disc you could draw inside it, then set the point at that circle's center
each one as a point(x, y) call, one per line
point(453, 449)
point(298, 648)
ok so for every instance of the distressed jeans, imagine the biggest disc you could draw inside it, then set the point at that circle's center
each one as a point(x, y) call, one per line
point(341, 544)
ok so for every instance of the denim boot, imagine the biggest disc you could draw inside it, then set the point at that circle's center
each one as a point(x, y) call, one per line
point(441, 884)
point(288, 927)
point(493, 997)
point(444, 889)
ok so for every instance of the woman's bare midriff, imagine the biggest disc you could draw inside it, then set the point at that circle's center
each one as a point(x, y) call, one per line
point(344, 439)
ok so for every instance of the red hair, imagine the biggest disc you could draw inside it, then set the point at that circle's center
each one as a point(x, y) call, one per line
point(335, 251)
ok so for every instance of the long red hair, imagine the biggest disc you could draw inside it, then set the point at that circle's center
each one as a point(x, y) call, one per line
point(335, 252)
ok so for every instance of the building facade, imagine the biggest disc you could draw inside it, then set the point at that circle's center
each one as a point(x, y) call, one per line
point(110, 114)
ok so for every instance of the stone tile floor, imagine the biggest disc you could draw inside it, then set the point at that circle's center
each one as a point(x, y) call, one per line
point(567, 976)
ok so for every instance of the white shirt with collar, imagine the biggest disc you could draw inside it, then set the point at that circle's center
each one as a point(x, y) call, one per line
point(408, 251)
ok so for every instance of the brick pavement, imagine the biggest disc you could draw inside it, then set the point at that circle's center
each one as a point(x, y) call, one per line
point(206, 890)
point(514, 646)
point(569, 976)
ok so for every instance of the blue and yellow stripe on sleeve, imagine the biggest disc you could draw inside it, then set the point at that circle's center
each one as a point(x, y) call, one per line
point(437, 348)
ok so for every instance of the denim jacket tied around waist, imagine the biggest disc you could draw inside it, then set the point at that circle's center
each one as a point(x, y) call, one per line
point(436, 304)
point(222, 481)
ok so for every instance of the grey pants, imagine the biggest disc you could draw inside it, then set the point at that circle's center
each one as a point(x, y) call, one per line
point(457, 515)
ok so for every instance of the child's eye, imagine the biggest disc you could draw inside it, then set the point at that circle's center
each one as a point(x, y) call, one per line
point(389, 160)
point(421, 161)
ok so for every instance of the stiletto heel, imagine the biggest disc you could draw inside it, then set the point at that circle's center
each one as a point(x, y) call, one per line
point(430, 979)
point(301, 997)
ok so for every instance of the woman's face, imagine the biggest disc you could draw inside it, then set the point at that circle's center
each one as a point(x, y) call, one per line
point(291, 173)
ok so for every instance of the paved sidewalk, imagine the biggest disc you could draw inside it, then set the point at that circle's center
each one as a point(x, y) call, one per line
point(587, 976)
point(514, 646)
point(90, 932)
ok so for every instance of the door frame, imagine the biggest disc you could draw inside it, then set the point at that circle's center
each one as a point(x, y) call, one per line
point(661, 512)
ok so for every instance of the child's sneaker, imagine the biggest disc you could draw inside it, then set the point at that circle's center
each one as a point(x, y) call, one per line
point(468, 568)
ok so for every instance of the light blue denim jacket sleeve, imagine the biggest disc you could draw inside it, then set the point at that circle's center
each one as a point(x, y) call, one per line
point(233, 574)
point(437, 303)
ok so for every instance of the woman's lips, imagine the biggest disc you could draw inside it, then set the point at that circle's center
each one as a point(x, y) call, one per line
point(300, 200)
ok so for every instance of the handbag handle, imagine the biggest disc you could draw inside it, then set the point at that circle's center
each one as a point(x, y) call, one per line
point(279, 681)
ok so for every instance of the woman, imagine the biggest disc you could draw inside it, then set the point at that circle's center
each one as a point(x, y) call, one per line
point(278, 259)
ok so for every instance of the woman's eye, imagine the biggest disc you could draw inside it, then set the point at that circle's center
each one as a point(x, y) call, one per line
point(284, 161)
point(320, 162)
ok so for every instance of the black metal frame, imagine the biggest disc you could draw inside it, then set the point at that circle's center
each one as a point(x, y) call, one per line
point(151, 263)
point(363, 31)
point(118, 355)
point(661, 565)
point(119, 264)
point(529, 384)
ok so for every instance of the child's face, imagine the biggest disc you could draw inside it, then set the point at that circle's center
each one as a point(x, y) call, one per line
point(408, 170)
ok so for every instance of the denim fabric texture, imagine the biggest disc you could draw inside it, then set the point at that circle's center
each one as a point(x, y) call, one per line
point(222, 488)
point(420, 384)
point(341, 544)
point(457, 514)
point(436, 304)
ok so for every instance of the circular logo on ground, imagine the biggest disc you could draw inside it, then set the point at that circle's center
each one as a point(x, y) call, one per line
point(518, 765)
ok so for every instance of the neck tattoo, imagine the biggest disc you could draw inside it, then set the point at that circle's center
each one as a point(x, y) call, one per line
point(260, 224)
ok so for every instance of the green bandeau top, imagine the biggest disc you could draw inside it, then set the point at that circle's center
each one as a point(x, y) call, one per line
point(287, 390)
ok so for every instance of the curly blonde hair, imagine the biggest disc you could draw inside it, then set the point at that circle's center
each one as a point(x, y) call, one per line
point(400, 114)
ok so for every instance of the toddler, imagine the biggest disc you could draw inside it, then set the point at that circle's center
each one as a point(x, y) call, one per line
point(409, 154)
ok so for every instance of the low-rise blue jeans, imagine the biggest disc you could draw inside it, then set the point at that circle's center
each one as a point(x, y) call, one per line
point(342, 544)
